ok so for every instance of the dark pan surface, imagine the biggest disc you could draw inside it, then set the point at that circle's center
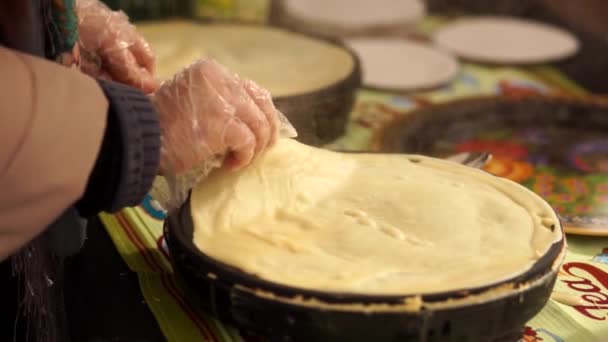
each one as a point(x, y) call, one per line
point(225, 292)
point(320, 116)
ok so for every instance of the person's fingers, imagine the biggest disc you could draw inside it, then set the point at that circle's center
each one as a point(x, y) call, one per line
point(223, 80)
point(213, 116)
point(193, 125)
point(227, 113)
point(143, 53)
point(232, 88)
point(249, 113)
point(242, 141)
point(263, 100)
point(123, 67)
point(206, 112)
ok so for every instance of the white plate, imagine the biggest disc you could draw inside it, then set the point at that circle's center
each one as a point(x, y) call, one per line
point(505, 40)
point(356, 13)
point(399, 64)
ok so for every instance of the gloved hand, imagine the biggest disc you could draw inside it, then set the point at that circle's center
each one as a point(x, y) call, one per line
point(208, 113)
point(209, 118)
point(111, 48)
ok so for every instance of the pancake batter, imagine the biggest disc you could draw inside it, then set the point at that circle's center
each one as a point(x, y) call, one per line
point(370, 223)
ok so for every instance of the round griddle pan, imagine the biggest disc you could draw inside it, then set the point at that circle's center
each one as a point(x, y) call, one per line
point(496, 312)
point(320, 116)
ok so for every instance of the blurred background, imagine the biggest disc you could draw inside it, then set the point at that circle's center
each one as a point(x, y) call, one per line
point(585, 18)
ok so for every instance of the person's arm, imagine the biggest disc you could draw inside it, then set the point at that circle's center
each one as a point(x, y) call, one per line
point(63, 144)
point(66, 140)
point(52, 120)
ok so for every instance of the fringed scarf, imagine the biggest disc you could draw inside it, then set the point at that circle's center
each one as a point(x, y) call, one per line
point(41, 312)
point(37, 267)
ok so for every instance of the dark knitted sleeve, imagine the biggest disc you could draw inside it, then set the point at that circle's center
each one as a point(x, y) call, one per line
point(130, 153)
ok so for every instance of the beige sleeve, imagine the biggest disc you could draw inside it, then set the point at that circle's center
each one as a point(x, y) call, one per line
point(52, 121)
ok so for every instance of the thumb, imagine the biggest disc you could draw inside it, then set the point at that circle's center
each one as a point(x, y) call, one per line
point(240, 141)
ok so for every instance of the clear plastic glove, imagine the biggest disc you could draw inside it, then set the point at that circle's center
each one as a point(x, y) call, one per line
point(111, 48)
point(210, 117)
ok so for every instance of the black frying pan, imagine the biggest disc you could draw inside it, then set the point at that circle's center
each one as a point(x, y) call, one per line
point(234, 297)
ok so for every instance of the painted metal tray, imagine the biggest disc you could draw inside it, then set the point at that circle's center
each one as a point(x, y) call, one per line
point(557, 147)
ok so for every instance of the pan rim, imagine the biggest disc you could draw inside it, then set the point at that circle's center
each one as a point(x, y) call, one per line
point(179, 228)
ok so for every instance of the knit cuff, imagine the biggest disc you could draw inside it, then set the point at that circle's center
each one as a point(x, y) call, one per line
point(129, 158)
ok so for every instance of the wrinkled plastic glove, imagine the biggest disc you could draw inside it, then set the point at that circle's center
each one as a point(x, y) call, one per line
point(111, 48)
point(210, 118)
